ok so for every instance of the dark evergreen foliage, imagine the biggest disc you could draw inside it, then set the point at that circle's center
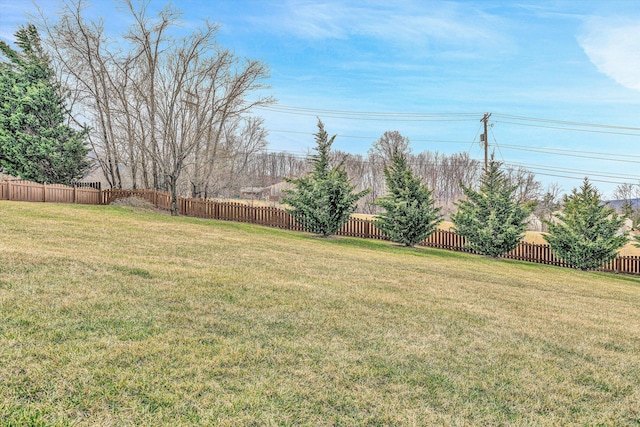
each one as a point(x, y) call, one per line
point(586, 232)
point(36, 143)
point(492, 219)
point(323, 200)
point(410, 215)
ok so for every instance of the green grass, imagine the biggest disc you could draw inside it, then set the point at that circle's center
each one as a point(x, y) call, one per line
point(112, 317)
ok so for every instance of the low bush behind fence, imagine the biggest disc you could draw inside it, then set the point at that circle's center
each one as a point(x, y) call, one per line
point(272, 217)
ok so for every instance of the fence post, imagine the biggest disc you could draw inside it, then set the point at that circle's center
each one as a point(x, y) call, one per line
point(44, 193)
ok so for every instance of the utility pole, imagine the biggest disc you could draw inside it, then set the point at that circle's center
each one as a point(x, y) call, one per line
point(485, 138)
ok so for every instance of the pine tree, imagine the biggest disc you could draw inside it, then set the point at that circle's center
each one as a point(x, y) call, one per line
point(492, 220)
point(323, 200)
point(586, 233)
point(35, 141)
point(410, 214)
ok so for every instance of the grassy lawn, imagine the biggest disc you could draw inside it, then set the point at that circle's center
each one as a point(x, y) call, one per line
point(120, 318)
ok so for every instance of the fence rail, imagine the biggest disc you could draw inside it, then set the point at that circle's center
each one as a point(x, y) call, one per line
point(273, 217)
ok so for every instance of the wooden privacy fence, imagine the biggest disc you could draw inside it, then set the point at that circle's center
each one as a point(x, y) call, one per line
point(239, 212)
point(25, 191)
point(273, 217)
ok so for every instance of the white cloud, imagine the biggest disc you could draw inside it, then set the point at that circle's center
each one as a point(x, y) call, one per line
point(418, 23)
point(613, 46)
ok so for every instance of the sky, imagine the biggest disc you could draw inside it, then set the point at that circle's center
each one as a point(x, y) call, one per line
point(561, 79)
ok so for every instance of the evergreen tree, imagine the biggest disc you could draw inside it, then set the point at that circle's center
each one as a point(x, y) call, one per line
point(492, 220)
point(35, 141)
point(323, 200)
point(410, 214)
point(586, 233)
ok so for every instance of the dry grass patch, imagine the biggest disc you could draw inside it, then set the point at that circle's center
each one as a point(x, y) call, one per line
point(630, 249)
point(111, 317)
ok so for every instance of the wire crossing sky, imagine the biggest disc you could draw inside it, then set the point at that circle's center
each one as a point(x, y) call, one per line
point(560, 78)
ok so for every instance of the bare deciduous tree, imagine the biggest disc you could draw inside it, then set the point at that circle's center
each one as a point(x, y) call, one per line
point(548, 203)
point(445, 174)
point(389, 143)
point(528, 188)
point(630, 195)
point(160, 104)
point(226, 172)
point(627, 191)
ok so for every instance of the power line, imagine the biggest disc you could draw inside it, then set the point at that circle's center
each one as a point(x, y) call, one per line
point(551, 150)
point(375, 138)
point(580, 178)
point(581, 172)
point(365, 113)
point(546, 150)
point(564, 122)
point(569, 129)
point(565, 125)
point(561, 170)
point(359, 117)
point(573, 154)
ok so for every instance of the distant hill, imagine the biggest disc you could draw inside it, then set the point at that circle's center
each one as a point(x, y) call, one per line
point(617, 204)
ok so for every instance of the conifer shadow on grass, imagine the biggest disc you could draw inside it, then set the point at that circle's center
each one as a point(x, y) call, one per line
point(117, 318)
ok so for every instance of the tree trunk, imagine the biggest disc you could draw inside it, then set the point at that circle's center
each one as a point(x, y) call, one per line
point(173, 183)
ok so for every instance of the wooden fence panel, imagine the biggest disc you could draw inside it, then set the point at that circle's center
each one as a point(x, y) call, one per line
point(444, 239)
point(26, 191)
point(56, 193)
point(362, 228)
point(624, 264)
point(88, 195)
point(22, 191)
point(234, 211)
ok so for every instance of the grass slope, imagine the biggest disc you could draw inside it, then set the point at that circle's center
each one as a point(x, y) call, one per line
point(111, 317)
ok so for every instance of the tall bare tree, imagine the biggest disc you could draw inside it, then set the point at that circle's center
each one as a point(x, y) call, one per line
point(389, 143)
point(159, 103)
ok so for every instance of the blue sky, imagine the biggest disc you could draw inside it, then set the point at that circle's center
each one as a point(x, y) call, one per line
point(546, 70)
